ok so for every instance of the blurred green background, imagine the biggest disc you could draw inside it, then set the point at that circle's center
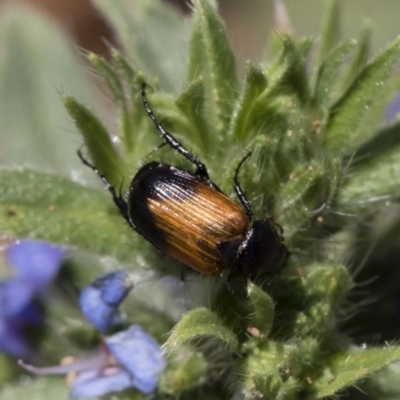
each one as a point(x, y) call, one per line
point(46, 58)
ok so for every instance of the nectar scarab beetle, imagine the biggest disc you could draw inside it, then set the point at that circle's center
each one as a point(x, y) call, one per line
point(187, 216)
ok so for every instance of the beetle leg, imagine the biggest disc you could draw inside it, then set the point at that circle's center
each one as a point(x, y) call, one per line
point(279, 227)
point(117, 197)
point(170, 139)
point(240, 193)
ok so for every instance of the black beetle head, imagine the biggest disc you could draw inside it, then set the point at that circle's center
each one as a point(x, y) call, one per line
point(262, 253)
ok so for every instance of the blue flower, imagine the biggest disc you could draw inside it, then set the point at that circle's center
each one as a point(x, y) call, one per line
point(128, 359)
point(140, 355)
point(131, 358)
point(34, 265)
point(100, 301)
point(35, 262)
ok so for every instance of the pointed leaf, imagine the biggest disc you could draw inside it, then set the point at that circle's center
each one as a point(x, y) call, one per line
point(97, 140)
point(377, 181)
point(191, 103)
point(300, 196)
point(328, 72)
point(255, 83)
point(46, 207)
point(187, 368)
point(199, 324)
point(262, 315)
point(330, 31)
point(360, 58)
point(346, 115)
point(198, 63)
point(350, 366)
point(114, 83)
point(289, 75)
point(136, 120)
point(127, 70)
point(110, 76)
point(210, 39)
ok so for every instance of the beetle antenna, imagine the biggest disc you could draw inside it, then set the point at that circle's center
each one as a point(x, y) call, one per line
point(239, 192)
point(118, 199)
point(170, 139)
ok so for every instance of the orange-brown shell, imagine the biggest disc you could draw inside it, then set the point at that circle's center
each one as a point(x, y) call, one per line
point(185, 216)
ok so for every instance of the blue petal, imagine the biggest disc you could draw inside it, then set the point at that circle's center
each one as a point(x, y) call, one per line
point(37, 262)
point(12, 342)
point(99, 301)
point(96, 383)
point(15, 295)
point(140, 354)
point(95, 310)
point(114, 287)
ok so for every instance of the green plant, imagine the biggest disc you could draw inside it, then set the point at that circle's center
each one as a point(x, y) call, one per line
point(321, 164)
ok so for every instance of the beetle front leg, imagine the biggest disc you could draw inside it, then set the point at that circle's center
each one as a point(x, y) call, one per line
point(170, 139)
point(118, 199)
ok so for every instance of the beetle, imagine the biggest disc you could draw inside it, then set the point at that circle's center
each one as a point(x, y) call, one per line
point(187, 216)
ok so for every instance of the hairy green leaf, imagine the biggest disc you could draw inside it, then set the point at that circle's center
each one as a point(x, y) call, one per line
point(327, 283)
point(209, 39)
point(346, 368)
point(328, 73)
point(97, 140)
point(187, 368)
point(360, 58)
point(262, 315)
point(202, 323)
point(301, 197)
point(243, 118)
point(191, 103)
point(288, 75)
point(264, 371)
point(330, 30)
point(346, 115)
point(114, 83)
point(376, 181)
point(55, 209)
point(323, 288)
